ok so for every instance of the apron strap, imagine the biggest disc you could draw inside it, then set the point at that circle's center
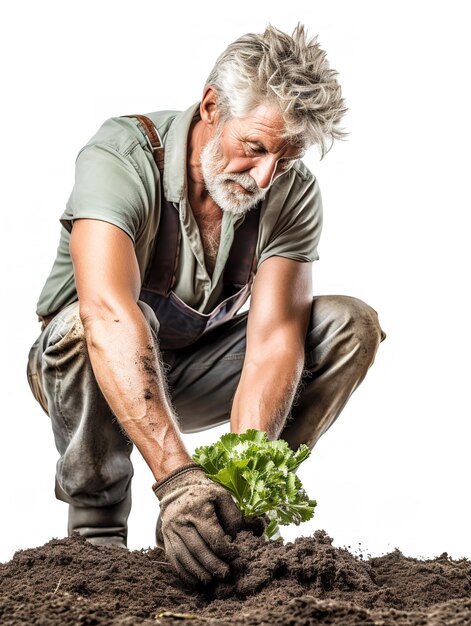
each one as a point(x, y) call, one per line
point(161, 272)
point(153, 139)
point(241, 261)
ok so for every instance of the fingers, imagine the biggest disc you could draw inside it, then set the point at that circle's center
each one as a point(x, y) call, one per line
point(232, 520)
point(213, 532)
point(229, 515)
point(256, 525)
point(196, 518)
point(191, 572)
point(192, 557)
point(159, 539)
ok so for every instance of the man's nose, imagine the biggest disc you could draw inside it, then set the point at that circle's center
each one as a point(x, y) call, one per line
point(264, 171)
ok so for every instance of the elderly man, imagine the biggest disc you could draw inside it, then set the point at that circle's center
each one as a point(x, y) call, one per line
point(176, 218)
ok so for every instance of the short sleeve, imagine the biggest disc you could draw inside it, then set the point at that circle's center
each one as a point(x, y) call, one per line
point(297, 230)
point(108, 187)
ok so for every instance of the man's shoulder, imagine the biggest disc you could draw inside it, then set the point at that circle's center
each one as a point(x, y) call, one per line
point(162, 121)
point(122, 134)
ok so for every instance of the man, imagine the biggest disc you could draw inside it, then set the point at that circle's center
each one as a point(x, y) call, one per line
point(171, 217)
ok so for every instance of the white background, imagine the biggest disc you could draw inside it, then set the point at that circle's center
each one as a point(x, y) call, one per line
point(394, 470)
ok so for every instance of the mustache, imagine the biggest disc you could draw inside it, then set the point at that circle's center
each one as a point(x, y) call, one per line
point(245, 181)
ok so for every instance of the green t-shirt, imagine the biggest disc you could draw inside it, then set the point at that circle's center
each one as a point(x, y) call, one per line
point(117, 181)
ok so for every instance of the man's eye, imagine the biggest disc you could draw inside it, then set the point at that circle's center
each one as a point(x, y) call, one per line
point(255, 149)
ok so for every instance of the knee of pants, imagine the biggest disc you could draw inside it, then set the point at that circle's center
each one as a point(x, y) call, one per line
point(347, 319)
point(68, 324)
point(63, 339)
point(94, 486)
point(61, 342)
point(66, 320)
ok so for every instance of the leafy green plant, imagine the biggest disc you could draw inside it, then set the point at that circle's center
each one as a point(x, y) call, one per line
point(260, 474)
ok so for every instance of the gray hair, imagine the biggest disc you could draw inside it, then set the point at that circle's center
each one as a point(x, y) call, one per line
point(290, 72)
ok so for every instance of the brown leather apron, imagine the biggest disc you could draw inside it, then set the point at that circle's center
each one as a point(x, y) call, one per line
point(180, 324)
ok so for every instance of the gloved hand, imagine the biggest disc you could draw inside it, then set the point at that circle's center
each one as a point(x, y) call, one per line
point(196, 515)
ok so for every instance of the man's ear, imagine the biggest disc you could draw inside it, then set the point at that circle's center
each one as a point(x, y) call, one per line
point(209, 107)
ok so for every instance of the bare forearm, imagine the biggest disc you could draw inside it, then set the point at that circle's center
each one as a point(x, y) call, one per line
point(126, 364)
point(266, 391)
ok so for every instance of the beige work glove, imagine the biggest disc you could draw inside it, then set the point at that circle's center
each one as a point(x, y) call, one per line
point(196, 517)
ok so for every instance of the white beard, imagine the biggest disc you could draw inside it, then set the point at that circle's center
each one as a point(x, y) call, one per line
point(222, 187)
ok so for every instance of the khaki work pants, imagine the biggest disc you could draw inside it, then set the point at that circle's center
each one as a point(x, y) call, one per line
point(94, 469)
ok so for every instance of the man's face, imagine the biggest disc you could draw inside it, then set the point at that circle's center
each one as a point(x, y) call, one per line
point(244, 157)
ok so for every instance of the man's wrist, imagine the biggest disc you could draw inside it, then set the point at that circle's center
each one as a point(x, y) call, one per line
point(170, 463)
point(182, 469)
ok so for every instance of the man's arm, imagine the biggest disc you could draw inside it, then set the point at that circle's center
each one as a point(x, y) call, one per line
point(276, 329)
point(120, 345)
point(195, 512)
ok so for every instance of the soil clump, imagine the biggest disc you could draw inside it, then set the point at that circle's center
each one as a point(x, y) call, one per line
point(307, 582)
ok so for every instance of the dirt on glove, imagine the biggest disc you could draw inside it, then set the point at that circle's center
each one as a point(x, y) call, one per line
point(308, 582)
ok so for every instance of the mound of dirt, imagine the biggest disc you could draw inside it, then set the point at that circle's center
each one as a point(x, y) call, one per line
point(308, 582)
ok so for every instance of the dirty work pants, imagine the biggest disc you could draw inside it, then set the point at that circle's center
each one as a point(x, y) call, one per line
point(94, 469)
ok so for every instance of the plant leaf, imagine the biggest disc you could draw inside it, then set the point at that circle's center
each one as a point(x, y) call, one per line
point(259, 473)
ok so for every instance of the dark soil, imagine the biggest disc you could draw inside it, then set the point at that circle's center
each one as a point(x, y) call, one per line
point(304, 583)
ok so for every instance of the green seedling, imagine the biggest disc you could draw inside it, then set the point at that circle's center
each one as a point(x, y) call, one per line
point(260, 474)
